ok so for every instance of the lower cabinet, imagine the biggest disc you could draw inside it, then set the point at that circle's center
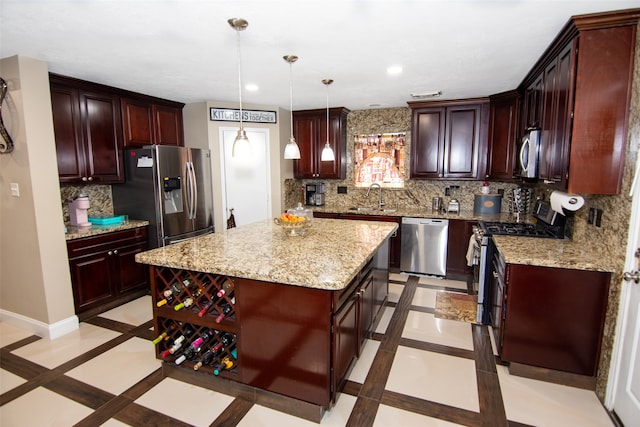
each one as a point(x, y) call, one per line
point(550, 318)
point(457, 245)
point(104, 271)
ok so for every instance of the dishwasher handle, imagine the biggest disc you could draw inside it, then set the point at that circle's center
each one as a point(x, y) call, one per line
point(425, 221)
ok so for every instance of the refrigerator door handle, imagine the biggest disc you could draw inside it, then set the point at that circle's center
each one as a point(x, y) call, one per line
point(194, 187)
point(189, 175)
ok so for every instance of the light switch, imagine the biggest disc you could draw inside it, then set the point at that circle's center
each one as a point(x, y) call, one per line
point(15, 189)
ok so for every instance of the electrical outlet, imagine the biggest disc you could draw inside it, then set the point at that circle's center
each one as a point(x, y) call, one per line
point(598, 217)
point(592, 215)
point(342, 189)
point(447, 192)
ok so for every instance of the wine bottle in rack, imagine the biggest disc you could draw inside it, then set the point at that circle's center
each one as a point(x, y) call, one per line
point(168, 299)
point(225, 309)
point(225, 341)
point(188, 353)
point(163, 336)
point(188, 302)
point(205, 359)
point(204, 338)
point(227, 288)
point(208, 306)
point(178, 342)
point(228, 362)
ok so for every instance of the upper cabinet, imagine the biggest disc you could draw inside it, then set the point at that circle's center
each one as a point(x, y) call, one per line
point(88, 132)
point(93, 123)
point(503, 135)
point(310, 131)
point(147, 122)
point(449, 139)
point(578, 93)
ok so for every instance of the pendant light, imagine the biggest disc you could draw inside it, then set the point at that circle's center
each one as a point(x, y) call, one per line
point(291, 150)
point(327, 151)
point(241, 145)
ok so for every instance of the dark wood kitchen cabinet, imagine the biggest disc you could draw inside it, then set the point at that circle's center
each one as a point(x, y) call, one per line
point(579, 94)
point(457, 245)
point(449, 139)
point(310, 131)
point(549, 318)
point(147, 122)
point(88, 132)
point(503, 135)
point(104, 272)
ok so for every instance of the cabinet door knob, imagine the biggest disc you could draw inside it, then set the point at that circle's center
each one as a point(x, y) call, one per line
point(115, 252)
point(110, 253)
point(90, 178)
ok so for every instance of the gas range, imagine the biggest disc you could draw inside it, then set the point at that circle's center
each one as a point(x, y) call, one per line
point(548, 224)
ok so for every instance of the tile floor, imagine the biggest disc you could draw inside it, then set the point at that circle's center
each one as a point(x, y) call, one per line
point(106, 373)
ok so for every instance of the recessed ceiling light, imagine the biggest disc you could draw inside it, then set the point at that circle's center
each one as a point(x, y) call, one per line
point(251, 87)
point(394, 69)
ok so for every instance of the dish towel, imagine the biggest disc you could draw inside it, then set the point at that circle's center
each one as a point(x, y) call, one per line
point(473, 252)
point(231, 222)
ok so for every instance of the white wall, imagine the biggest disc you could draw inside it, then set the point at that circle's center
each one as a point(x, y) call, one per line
point(201, 132)
point(35, 283)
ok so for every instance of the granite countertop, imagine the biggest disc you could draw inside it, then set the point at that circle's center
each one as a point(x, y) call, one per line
point(558, 253)
point(328, 257)
point(74, 232)
point(419, 213)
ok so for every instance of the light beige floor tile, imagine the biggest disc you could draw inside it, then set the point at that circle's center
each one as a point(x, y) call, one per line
point(425, 298)
point(398, 277)
point(112, 422)
point(545, 404)
point(119, 368)
point(361, 368)
point(259, 416)
point(184, 402)
point(41, 407)
point(9, 381)
point(134, 312)
point(10, 334)
point(426, 327)
point(383, 324)
point(436, 281)
point(436, 377)
point(394, 292)
point(390, 416)
point(51, 353)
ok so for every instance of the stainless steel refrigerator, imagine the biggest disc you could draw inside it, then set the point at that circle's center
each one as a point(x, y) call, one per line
point(171, 188)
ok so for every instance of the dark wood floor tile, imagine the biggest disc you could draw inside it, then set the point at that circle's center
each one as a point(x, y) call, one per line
point(144, 331)
point(437, 348)
point(232, 415)
point(140, 416)
point(111, 324)
point(19, 366)
point(78, 391)
point(422, 309)
point(21, 343)
point(552, 376)
point(517, 424)
point(485, 360)
point(363, 413)
point(16, 392)
point(144, 385)
point(492, 409)
point(97, 351)
point(377, 377)
point(399, 317)
point(352, 388)
point(105, 412)
point(431, 409)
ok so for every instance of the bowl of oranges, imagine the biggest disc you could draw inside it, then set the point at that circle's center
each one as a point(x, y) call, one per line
point(295, 222)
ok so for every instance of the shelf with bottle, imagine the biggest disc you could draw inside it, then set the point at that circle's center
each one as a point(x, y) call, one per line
point(207, 296)
point(196, 347)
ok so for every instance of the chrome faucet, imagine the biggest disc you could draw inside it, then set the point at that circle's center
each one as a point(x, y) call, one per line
point(379, 187)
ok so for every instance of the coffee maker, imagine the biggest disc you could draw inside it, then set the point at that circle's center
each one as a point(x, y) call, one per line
point(314, 194)
point(78, 209)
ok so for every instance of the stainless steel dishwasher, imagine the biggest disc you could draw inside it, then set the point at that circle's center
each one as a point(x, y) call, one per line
point(424, 246)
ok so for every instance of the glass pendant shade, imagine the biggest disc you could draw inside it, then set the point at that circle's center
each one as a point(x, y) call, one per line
point(327, 151)
point(291, 150)
point(241, 145)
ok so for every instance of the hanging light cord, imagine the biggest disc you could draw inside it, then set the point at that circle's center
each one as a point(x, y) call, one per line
point(327, 113)
point(239, 77)
point(291, 94)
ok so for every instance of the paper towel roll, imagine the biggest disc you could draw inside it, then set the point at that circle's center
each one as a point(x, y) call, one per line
point(560, 201)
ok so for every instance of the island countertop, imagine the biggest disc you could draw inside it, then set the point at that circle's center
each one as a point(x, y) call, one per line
point(328, 257)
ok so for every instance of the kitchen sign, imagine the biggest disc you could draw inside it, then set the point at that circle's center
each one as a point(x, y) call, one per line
point(233, 115)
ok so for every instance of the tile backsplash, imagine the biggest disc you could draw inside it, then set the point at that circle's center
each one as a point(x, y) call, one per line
point(100, 201)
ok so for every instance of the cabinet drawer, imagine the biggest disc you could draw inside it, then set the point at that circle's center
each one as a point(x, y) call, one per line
point(104, 242)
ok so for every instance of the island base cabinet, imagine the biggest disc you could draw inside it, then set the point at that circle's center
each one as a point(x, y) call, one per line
point(554, 318)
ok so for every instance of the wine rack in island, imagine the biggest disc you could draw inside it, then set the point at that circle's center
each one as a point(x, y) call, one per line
point(195, 320)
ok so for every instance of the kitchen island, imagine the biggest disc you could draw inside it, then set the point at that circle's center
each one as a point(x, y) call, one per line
point(291, 312)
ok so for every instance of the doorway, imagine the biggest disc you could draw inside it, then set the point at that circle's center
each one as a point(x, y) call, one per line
point(246, 182)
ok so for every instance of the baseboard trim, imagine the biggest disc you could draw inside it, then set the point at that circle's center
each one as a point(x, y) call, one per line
point(44, 330)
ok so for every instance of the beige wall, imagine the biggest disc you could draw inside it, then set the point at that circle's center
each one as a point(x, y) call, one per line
point(35, 285)
point(203, 133)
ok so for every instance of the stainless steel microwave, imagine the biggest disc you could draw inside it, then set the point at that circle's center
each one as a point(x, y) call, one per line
point(528, 155)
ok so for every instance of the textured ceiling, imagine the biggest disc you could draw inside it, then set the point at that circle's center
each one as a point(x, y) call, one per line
point(185, 50)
